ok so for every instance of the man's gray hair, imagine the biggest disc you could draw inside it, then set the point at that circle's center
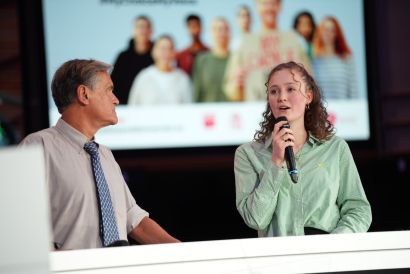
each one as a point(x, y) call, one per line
point(70, 75)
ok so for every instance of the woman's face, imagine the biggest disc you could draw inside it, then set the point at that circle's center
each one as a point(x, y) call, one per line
point(244, 20)
point(287, 95)
point(304, 26)
point(328, 32)
point(163, 52)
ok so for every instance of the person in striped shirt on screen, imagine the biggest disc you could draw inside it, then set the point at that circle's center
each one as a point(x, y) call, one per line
point(333, 62)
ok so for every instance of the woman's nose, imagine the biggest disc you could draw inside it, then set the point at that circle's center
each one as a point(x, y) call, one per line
point(281, 96)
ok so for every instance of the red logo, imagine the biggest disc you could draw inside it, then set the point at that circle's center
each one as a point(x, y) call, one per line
point(209, 121)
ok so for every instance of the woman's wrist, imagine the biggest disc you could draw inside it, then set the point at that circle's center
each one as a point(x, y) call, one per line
point(277, 162)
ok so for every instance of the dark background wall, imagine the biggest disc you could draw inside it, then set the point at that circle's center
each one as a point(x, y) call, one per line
point(191, 192)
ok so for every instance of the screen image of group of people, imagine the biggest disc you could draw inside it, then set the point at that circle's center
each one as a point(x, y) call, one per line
point(294, 177)
point(232, 70)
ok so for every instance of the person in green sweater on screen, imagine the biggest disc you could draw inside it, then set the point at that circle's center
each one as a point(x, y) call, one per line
point(209, 67)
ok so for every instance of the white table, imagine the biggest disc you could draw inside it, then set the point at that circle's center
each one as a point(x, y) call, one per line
point(303, 254)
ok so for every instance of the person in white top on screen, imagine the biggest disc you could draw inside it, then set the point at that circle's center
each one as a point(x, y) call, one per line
point(83, 93)
point(161, 83)
point(244, 21)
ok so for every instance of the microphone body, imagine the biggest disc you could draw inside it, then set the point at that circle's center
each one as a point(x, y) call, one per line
point(289, 155)
point(118, 243)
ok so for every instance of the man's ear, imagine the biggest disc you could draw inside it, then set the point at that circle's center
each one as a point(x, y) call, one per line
point(83, 94)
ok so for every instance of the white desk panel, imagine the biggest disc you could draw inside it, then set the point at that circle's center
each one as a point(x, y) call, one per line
point(24, 215)
point(303, 254)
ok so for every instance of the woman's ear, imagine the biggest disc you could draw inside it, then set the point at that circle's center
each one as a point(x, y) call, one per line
point(83, 94)
point(309, 96)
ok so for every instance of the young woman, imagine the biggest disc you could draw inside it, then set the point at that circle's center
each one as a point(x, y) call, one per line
point(328, 197)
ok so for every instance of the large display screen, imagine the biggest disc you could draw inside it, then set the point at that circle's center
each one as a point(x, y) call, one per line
point(220, 99)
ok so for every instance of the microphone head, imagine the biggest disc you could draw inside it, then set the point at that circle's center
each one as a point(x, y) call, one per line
point(281, 118)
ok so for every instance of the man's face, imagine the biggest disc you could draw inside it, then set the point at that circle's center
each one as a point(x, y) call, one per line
point(220, 33)
point(194, 28)
point(102, 101)
point(142, 30)
point(268, 11)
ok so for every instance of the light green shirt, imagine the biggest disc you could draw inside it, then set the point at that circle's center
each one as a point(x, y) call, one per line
point(328, 196)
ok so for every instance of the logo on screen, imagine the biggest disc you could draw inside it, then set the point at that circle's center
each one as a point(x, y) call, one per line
point(209, 121)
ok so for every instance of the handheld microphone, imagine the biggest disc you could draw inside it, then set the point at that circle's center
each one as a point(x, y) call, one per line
point(289, 156)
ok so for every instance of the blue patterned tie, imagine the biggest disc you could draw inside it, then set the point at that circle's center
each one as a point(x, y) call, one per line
point(108, 225)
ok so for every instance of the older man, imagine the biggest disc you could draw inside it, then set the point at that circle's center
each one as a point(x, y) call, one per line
point(91, 205)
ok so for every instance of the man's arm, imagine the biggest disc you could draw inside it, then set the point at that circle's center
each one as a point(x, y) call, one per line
point(149, 232)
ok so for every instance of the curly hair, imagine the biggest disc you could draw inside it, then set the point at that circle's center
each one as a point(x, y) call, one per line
point(316, 121)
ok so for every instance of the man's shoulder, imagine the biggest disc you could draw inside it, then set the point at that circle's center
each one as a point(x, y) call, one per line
point(104, 148)
point(203, 55)
point(40, 137)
